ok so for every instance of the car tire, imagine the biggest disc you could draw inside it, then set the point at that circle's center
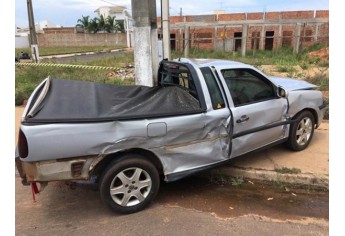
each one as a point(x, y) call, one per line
point(301, 132)
point(129, 184)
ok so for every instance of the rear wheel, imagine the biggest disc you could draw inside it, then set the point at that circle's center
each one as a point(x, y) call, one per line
point(302, 131)
point(129, 184)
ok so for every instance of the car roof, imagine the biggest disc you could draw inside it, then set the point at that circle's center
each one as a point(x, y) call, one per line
point(202, 62)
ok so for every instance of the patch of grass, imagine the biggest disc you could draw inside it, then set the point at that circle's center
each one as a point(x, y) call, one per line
point(284, 68)
point(65, 50)
point(28, 77)
point(237, 181)
point(285, 170)
point(278, 182)
point(282, 56)
point(219, 179)
point(320, 79)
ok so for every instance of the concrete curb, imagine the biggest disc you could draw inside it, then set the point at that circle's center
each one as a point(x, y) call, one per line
point(299, 179)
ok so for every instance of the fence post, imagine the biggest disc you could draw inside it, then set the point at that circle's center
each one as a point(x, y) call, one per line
point(186, 42)
point(316, 34)
point(262, 38)
point(244, 39)
point(297, 38)
point(224, 37)
point(215, 38)
point(279, 40)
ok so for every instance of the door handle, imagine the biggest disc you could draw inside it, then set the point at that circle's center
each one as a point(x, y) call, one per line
point(242, 119)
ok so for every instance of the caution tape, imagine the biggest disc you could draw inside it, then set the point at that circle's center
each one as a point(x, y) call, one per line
point(68, 66)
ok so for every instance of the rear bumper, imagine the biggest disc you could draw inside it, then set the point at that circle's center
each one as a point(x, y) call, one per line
point(21, 171)
point(46, 171)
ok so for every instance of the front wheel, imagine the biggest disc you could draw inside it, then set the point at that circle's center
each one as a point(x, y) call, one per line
point(301, 132)
point(129, 184)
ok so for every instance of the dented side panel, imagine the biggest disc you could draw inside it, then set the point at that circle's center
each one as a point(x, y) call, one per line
point(189, 142)
point(306, 99)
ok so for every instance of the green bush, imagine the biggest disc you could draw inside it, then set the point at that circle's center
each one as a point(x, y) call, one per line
point(20, 96)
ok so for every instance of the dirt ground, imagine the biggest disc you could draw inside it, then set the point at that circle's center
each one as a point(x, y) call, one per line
point(298, 72)
point(322, 54)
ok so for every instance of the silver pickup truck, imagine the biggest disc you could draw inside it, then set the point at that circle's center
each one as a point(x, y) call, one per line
point(201, 114)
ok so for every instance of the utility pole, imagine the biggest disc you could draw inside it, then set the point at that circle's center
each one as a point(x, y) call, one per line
point(166, 29)
point(33, 36)
point(145, 42)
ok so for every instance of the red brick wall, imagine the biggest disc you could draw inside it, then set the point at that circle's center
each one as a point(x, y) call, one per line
point(297, 14)
point(202, 38)
point(272, 15)
point(230, 17)
point(322, 14)
point(306, 30)
point(64, 30)
point(255, 16)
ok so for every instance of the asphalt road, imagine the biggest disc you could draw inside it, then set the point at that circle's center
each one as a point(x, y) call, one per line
point(193, 206)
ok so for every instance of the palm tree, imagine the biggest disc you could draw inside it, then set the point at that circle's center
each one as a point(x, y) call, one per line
point(83, 22)
point(120, 26)
point(102, 23)
point(110, 25)
point(93, 26)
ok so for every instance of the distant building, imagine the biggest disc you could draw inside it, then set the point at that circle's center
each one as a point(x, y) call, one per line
point(251, 31)
point(112, 11)
point(22, 34)
point(45, 24)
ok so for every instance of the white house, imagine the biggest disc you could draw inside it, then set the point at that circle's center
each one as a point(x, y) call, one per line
point(45, 24)
point(121, 14)
point(112, 11)
point(21, 34)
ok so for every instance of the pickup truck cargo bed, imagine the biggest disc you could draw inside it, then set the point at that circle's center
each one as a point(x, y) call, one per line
point(80, 101)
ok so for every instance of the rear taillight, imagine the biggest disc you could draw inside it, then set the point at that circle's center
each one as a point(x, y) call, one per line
point(22, 145)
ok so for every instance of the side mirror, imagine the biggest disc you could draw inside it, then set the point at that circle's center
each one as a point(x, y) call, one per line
point(282, 92)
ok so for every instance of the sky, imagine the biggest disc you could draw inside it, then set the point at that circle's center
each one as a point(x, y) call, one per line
point(67, 12)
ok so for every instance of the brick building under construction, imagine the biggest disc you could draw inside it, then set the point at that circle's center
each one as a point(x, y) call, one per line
point(249, 31)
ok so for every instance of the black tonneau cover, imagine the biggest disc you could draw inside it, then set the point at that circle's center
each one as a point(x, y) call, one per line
point(80, 101)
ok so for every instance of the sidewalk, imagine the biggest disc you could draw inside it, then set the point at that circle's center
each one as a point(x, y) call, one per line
point(280, 164)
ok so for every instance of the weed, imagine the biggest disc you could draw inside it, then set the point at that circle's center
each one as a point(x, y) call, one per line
point(237, 181)
point(282, 69)
point(320, 79)
point(305, 65)
point(278, 182)
point(285, 170)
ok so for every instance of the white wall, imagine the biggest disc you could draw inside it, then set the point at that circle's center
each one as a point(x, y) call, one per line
point(22, 42)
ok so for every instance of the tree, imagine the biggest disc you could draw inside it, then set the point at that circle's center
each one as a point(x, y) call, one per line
point(83, 23)
point(100, 23)
point(93, 26)
point(120, 26)
point(110, 24)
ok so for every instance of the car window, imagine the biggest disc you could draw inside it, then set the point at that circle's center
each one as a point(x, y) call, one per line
point(213, 88)
point(177, 75)
point(247, 86)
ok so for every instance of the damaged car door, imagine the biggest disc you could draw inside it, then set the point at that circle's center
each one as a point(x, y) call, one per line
point(257, 108)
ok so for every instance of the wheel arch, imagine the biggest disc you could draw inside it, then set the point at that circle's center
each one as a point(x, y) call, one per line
point(148, 155)
point(312, 111)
